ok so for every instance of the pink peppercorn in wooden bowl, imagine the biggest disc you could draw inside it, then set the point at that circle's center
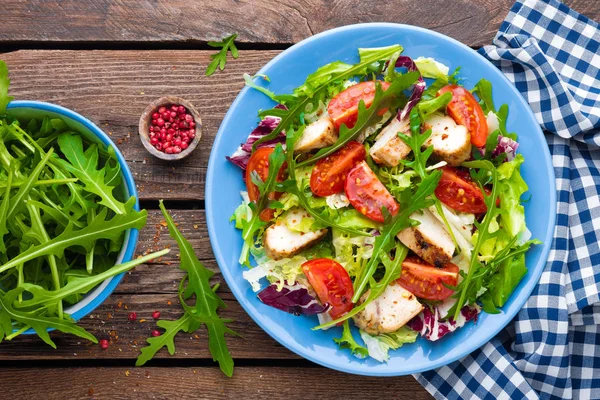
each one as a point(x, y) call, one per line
point(170, 128)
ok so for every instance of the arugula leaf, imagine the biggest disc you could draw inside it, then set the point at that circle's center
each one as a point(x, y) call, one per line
point(316, 84)
point(347, 341)
point(428, 107)
point(172, 328)
point(4, 210)
point(490, 202)
point(250, 83)
point(40, 324)
point(366, 116)
point(83, 165)
point(483, 88)
point(393, 269)
point(18, 200)
point(251, 227)
point(291, 186)
point(99, 228)
point(387, 236)
point(207, 302)
point(220, 59)
point(4, 84)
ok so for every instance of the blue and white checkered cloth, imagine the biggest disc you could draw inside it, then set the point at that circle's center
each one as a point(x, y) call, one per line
point(552, 348)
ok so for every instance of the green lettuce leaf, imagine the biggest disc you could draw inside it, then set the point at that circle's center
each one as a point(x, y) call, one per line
point(347, 341)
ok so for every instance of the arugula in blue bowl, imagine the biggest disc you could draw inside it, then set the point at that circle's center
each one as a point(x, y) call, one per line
point(69, 217)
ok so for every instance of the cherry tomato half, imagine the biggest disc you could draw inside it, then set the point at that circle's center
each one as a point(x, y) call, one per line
point(456, 190)
point(329, 175)
point(426, 281)
point(332, 284)
point(465, 110)
point(343, 108)
point(367, 194)
point(259, 162)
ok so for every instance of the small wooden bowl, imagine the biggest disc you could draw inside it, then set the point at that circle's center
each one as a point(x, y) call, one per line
point(146, 119)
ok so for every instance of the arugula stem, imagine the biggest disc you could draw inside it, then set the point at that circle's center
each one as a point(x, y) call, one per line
point(440, 210)
point(41, 182)
point(484, 230)
point(17, 333)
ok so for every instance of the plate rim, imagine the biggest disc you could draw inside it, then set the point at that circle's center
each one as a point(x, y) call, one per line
point(237, 291)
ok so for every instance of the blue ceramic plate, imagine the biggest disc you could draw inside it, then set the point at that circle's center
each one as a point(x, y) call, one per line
point(29, 109)
point(289, 70)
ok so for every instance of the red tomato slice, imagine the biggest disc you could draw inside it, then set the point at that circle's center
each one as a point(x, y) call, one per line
point(367, 194)
point(459, 192)
point(332, 284)
point(259, 162)
point(343, 108)
point(465, 110)
point(426, 281)
point(329, 175)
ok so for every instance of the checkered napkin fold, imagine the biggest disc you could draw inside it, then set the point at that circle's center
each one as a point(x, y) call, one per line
point(552, 348)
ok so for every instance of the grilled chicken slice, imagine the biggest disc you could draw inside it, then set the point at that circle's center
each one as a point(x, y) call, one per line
point(389, 312)
point(451, 142)
point(317, 135)
point(389, 149)
point(429, 240)
point(282, 242)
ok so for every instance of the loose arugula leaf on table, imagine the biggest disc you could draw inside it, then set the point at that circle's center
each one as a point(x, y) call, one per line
point(347, 341)
point(366, 116)
point(220, 59)
point(317, 83)
point(207, 302)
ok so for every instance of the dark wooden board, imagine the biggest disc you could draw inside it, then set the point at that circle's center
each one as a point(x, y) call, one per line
point(288, 383)
point(190, 22)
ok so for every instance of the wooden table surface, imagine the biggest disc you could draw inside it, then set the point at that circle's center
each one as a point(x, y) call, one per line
point(107, 60)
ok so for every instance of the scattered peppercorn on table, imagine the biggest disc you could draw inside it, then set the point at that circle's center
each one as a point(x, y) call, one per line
point(108, 61)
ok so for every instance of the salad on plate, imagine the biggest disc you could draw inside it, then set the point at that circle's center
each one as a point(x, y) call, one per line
point(383, 194)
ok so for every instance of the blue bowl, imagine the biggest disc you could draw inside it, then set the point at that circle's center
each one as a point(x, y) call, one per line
point(224, 182)
point(37, 109)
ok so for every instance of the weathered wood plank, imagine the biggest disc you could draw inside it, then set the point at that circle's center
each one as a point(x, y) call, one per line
point(202, 383)
point(473, 22)
point(112, 88)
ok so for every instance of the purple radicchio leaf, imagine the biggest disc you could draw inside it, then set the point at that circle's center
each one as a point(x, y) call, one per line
point(293, 299)
point(419, 87)
point(266, 126)
point(506, 145)
point(431, 326)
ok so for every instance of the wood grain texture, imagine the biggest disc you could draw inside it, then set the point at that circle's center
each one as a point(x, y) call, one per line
point(112, 88)
point(473, 22)
point(202, 383)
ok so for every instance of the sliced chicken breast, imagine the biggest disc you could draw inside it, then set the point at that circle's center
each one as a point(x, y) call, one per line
point(282, 242)
point(451, 142)
point(389, 312)
point(317, 135)
point(429, 240)
point(389, 149)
